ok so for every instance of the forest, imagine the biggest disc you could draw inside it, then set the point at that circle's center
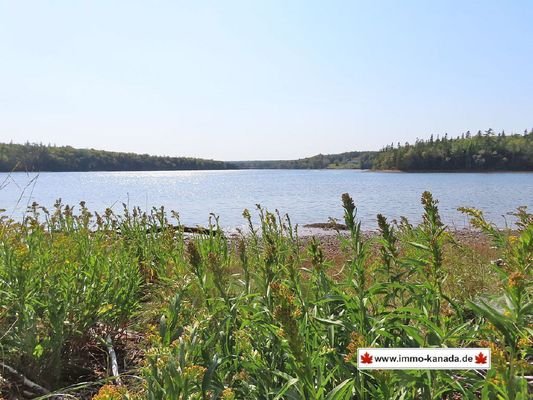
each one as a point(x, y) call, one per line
point(483, 151)
point(349, 160)
point(39, 157)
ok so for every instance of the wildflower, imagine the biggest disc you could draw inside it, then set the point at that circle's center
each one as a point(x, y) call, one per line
point(525, 343)
point(186, 336)
point(297, 313)
point(215, 266)
point(522, 365)
point(326, 350)
point(242, 337)
point(109, 392)
point(516, 280)
point(282, 292)
point(271, 219)
point(151, 352)
point(193, 254)
point(497, 354)
point(270, 251)
point(431, 215)
point(382, 224)
point(446, 310)
point(347, 203)
point(317, 255)
point(194, 372)
point(242, 376)
point(99, 220)
point(241, 250)
point(286, 313)
point(496, 381)
point(228, 394)
point(349, 211)
point(356, 341)
point(68, 211)
point(160, 363)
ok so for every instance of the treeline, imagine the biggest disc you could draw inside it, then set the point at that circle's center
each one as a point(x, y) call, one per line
point(39, 157)
point(349, 160)
point(483, 151)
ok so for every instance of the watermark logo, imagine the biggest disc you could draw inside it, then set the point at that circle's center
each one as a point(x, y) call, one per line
point(423, 358)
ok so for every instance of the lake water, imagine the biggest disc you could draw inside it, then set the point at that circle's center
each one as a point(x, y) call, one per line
point(308, 196)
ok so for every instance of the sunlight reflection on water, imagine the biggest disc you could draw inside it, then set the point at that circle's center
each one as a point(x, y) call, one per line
point(306, 195)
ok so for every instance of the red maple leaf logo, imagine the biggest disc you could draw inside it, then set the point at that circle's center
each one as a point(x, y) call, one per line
point(366, 358)
point(481, 358)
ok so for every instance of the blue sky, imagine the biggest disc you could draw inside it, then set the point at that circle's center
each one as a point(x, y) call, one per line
point(237, 80)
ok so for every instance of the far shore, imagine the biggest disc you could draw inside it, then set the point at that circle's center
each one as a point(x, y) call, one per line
point(396, 171)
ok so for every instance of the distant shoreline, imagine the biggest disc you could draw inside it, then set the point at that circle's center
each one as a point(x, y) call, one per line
point(388, 171)
point(461, 171)
point(477, 153)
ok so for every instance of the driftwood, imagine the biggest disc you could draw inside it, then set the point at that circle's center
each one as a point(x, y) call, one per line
point(327, 226)
point(186, 229)
point(17, 376)
point(113, 359)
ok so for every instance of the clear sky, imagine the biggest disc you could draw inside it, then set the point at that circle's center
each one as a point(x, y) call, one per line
point(236, 80)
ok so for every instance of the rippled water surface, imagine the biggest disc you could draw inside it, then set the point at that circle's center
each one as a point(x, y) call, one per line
point(306, 195)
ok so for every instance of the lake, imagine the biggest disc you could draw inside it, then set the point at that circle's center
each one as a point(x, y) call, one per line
point(308, 196)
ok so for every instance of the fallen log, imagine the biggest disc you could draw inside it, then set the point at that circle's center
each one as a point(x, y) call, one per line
point(327, 226)
point(185, 229)
point(20, 378)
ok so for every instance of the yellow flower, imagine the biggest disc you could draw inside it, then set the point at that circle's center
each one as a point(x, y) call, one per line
point(522, 365)
point(516, 279)
point(242, 376)
point(496, 382)
point(228, 394)
point(356, 341)
point(194, 372)
point(498, 355)
point(110, 392)
point(525, 343)
point(242, 337)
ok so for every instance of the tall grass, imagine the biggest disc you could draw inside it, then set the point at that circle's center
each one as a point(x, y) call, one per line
point(263, 315)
